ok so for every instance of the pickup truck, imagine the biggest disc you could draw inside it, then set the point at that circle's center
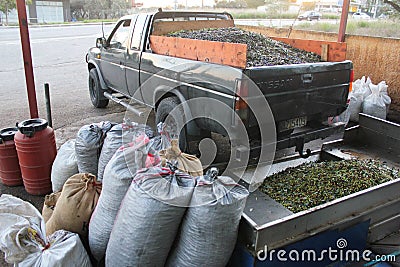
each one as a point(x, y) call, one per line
point(299, 98)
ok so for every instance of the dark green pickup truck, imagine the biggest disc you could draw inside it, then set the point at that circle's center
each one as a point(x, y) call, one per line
point(290, 103)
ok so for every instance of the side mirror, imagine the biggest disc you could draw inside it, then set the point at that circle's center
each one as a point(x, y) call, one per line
point(101, 42)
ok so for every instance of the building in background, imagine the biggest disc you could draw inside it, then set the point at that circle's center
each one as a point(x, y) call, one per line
point(49, 11)
point(136, 3)
point(327, 5)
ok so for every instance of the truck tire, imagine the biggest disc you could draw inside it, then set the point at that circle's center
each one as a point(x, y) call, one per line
point(164, 109)
point(95, 90)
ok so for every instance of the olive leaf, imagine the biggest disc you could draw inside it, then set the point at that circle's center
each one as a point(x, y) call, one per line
point(313, 184)
point(261, 50)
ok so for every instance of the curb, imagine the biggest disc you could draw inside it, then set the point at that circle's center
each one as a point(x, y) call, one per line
point(58, 25)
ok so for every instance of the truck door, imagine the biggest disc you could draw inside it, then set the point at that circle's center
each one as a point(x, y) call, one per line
point(134, 55)
point(113, 56)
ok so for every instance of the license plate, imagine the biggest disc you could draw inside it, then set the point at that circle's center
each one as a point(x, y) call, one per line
point(292, 123)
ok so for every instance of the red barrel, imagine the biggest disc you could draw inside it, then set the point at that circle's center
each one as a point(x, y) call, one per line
point(10, 173)
point(36, 148)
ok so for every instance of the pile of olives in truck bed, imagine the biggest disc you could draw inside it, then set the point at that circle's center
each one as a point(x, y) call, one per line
point(261, 50)
point(313, 184)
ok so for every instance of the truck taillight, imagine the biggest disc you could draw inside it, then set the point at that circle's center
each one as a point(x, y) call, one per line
point(242, 91)
point(351, 80)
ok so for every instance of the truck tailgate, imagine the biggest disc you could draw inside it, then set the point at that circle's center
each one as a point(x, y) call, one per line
point(316, 90)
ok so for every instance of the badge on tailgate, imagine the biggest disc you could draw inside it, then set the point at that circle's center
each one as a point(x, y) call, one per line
point(292, 123)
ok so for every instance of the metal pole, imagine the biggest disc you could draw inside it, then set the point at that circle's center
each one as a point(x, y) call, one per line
point(343, 21)
point(48, 104)
point(375, 8)
point(26, 52)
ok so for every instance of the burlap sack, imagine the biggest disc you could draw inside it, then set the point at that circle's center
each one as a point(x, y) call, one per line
point(186, 163)
point(49, 205)
point(74, 208)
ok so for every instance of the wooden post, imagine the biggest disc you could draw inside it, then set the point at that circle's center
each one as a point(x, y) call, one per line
point(343, 21)
point(26, 52)
point(325, 52)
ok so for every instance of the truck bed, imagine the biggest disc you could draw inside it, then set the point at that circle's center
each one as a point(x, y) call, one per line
point(311, 91)
point(231, 54)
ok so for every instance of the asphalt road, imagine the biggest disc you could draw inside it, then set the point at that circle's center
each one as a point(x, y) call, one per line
point(58, 55)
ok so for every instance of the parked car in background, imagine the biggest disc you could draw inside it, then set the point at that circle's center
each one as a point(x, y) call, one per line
point(360, 15)
point(383, 16)
point(310, 15)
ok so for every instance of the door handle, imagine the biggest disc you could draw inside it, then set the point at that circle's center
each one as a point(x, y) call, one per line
point(307, 78)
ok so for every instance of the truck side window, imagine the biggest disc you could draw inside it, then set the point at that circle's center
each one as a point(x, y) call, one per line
point(137, 32)
point(119, 39)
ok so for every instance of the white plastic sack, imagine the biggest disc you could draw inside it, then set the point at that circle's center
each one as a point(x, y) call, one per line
point(23, 238)
point(118, 176)
point(88, 145)
point(343, 117)
point(356, 99)
point(119, 135)
point(162, 140)
point(112, 142)
point(364, 87)
point(383, 92)
point(63, 248)
point(208, 232)
point(374, 104)
point(64, 166)
point(149, 217)
point(22, 228)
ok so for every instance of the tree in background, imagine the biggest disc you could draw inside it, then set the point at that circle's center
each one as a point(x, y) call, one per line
point(6, 6)
point(381, 6)
point(119, 8)
point(394, 3)
point(276, 6)
point(231, 4)
point(254, 3)
point(96, 8)
point(105, 9)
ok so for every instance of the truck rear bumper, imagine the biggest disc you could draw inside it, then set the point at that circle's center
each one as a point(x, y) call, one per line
point(299, 139)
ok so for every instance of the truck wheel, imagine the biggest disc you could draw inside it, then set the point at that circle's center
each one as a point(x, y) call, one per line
point(163, 110)
point(98, 100)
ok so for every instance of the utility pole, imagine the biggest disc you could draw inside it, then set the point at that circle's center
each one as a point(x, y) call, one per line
point(6, 13)
point(26, 52)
